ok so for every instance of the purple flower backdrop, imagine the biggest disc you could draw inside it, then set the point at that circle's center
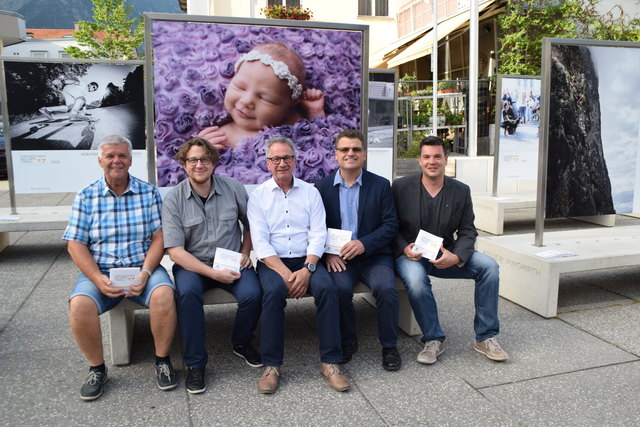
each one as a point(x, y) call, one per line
point(193, 64)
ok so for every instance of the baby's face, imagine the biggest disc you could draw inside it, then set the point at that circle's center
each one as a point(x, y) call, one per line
point(256, 97)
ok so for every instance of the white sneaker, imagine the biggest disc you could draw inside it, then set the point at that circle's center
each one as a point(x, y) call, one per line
point(491, 349)
point(431, 351)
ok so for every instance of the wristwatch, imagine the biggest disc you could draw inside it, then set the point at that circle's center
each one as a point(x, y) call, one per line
point(310, 266)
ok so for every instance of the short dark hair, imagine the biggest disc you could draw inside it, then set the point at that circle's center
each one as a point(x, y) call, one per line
point(434, 140)
point(351, 133)
point(210, 152)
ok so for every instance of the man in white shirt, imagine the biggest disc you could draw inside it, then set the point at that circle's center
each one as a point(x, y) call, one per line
point(288, 232)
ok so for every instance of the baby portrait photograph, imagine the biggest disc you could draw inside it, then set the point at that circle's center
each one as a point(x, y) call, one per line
point(240, 85)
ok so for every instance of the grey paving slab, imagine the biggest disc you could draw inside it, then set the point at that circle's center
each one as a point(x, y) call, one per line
point(595, 397)
point(303, 398)
point(426, 395)
point(537, 347)
point(617, 325)
point(41, 388)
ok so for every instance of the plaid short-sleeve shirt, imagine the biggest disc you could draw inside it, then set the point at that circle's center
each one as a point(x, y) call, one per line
point(116, 229)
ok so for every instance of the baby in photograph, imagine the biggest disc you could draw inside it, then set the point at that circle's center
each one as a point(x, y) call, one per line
point(266, 91)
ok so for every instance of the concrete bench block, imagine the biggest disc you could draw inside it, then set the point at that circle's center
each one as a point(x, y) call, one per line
point(121, 318)
point(533, 282)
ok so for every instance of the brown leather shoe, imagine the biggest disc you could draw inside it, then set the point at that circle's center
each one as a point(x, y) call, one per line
point(268, 384)
point(336, 380)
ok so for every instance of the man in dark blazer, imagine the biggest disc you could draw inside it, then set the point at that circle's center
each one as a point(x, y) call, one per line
point(361, 202)
point(442, 206)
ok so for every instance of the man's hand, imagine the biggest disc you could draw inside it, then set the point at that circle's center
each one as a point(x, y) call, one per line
point(299, 283)
point(351, 249)
point(245, 261)
point(103, 283)
point(137, 289)
point(224, 276)
point(448, 259)
point(412, 256)
point(216, 137)
point(335, 263)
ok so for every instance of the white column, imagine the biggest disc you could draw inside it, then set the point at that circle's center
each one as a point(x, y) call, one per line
point(472, 150)
point(198, 7)
point(434, 66)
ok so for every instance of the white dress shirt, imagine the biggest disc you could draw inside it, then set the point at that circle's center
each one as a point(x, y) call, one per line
point(287, 225)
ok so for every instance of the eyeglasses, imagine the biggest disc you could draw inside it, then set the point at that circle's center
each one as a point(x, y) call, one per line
point(276, 160)
point(346, 149)
point(192, 161)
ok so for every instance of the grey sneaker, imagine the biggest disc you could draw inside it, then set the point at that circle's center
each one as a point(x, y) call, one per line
point(93, 385)
point(167, 379)
point(491, 349)
point(431, 351)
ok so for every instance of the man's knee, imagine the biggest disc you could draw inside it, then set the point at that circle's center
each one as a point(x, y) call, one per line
point(163, 298)
point(82, 307)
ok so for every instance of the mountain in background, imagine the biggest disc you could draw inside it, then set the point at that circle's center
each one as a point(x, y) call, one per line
point(63, 13)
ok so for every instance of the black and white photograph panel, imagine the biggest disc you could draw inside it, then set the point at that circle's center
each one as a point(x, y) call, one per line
point(73, 106)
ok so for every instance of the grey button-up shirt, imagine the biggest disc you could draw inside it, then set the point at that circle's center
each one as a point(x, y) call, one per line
point(201, 228)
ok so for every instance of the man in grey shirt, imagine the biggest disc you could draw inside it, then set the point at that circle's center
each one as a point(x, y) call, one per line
point(199, 215)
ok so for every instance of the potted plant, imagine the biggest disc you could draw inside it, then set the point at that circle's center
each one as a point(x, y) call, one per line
point(447, 86)
point(284, 12)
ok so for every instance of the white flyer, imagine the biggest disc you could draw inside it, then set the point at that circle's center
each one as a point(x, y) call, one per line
point(336, 239)
point(227, 260)
point(427, 244)
point(125, 277)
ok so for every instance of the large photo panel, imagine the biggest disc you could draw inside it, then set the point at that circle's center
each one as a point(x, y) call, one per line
point(382, 118)
point(246, 81)
point(59, 111)
point(593, 128)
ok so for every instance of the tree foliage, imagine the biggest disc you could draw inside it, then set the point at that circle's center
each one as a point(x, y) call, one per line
point(525, 23)
point(111, 35)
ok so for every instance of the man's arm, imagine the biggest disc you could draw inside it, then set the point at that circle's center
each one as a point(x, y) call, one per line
point(466, 233)
point(81, 256)
point(399, 244)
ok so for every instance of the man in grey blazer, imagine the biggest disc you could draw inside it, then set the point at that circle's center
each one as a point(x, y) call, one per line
point(442, 206)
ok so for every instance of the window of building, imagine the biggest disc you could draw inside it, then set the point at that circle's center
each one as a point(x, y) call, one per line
point(288, 3)
point(366, 7)
point(39, 54)
point(63, 54)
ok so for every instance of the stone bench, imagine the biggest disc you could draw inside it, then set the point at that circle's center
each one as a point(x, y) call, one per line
point(121, 318)
point(533, 282)
point(489, 211)
point(39, 218)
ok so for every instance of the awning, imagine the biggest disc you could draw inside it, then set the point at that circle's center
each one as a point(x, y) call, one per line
point(424, 45)
point(380, 57)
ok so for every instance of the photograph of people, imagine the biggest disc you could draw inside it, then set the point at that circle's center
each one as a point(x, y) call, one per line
point(239, 85)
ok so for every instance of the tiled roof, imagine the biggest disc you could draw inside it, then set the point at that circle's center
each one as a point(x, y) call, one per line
point(43, 33)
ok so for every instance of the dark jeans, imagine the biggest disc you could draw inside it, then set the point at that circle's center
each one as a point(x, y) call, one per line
point(381, 280)
point(189, 299)
point(325, 294)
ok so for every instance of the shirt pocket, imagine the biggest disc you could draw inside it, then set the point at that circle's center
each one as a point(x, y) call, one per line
point(193, 228)
point(226, 223)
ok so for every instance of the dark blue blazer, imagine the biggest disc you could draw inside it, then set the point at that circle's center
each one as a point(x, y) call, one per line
point(377, 217)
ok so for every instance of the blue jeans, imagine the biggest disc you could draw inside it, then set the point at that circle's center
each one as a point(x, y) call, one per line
point(481, 268)
point(325, 294)
point(189, 299)
point(382, 282)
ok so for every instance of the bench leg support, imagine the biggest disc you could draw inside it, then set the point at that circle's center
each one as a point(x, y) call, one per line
point(121, 321)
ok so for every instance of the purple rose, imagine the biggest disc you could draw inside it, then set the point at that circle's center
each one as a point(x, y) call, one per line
point(188, 101)
point(227, 69)
point(211, 54)
point(311, 158)
point(209, 95)
point(226, 35)
point(242, 46)
point(165, 107)
point(163, 130)
point(171, 81)
point(204, 120)
point(183, 123)
point(181, 49)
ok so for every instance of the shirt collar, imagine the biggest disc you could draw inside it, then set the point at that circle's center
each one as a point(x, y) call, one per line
point(212, 190)
point(132, 187)
point(273, 185)
point(338, 179)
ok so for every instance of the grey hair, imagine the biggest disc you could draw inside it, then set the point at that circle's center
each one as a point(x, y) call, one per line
point(280, 140)
point(113, 140)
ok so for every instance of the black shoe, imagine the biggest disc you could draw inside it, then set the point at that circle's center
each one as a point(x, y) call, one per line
point(391, 360)
point(93, 385)
point(195, 380)
point(249, 354)
point(348, 351)
point(167, 379)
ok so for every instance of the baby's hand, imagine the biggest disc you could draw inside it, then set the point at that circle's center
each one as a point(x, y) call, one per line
point(313, 103)
point(216, 137)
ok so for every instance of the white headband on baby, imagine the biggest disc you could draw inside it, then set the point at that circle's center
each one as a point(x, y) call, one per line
point(279, 68)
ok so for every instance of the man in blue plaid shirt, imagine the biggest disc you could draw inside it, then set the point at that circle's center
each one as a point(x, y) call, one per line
point(115, 222)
